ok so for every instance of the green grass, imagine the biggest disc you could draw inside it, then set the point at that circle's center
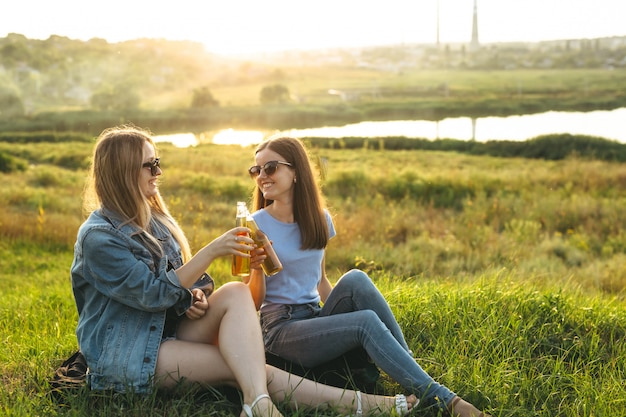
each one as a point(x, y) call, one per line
point(507, 275)
point(512, 348)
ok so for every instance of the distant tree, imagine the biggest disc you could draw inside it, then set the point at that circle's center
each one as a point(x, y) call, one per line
point(203, 99)
point(278, 75)
point(120, 97)
point(14, 53)
point(274, 94)
point(11, 104)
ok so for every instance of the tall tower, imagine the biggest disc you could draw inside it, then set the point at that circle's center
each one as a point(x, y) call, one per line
point(437, 23)
point(474, 45)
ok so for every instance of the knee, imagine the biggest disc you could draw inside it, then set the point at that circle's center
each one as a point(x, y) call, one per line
point(371, 323)
point(359, 283)
point(235, 291)
point(355, 277)
point(370, 316)
point(235, 286)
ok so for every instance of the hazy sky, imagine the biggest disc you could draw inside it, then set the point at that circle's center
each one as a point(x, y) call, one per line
point(242, 26)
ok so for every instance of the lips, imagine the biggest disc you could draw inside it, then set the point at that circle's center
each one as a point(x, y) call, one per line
point(265, 187)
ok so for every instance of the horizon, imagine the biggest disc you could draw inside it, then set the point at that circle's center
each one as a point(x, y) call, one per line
point(248, 27)
point(319, 48)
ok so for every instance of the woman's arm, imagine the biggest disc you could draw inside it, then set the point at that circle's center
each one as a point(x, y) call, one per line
point(256, 279)
point(230, 243)
point(120, 268)
point(324, 288)
point(256, 283)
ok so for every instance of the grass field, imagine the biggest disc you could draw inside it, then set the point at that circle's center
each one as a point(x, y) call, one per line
point(507, 275)
point(366, 93)
point(312, 84)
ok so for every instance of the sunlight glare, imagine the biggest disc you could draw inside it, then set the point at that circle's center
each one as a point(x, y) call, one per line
point(180, 140)
point(238, 137)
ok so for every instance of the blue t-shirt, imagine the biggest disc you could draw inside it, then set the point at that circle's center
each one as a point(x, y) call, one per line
point(302, 269)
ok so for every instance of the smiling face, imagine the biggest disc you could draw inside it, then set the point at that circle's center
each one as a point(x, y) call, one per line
point(147, 181)
point(279, 185)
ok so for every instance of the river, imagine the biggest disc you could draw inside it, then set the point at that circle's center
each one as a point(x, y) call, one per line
point(606, 124)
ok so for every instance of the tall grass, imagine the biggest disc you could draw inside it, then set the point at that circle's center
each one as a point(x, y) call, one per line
point(507, 275)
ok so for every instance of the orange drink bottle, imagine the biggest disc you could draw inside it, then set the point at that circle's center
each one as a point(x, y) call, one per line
point(241, 265)
point(271, 264)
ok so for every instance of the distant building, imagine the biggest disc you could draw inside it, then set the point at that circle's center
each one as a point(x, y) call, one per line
point(474, 45)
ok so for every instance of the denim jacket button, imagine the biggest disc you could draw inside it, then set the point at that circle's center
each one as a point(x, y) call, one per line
point(146, 360)
point(152, 328)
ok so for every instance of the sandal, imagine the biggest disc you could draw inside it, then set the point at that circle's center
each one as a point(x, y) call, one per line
point(401, 406)
point(248, 408)
point(359, 408)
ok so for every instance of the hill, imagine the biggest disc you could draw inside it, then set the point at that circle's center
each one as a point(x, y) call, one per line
point(63, 84)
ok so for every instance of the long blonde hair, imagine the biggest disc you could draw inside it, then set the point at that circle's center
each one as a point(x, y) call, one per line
point(113, 184)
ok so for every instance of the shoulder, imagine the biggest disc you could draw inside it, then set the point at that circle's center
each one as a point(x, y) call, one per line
point(259, 214)
point(95, 221)
point(99, 230)
point(328, 216)
point(262, 216)
point(331, 224)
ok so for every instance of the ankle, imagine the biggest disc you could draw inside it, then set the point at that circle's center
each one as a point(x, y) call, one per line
point(262, 405)
point(458, 407)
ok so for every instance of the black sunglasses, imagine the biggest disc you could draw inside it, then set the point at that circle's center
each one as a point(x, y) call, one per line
point(153, 165)
point(269, 168)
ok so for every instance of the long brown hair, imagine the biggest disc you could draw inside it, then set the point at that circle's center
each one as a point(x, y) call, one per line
point(113, 184)
point(308, 201)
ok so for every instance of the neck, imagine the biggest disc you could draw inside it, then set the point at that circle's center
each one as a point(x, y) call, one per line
point(281, 211)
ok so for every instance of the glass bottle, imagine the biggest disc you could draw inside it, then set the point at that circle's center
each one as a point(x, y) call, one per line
point(271, 265)
point(241, 265)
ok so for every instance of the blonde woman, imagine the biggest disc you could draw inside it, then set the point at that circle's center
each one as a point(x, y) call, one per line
point(145, 323)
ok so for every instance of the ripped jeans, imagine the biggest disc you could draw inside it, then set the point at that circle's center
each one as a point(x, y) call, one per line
point(354, 315)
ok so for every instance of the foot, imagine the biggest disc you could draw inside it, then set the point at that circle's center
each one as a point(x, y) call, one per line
point(458, 407)
point(268, 411)
point(404, 405)
point(400, 405)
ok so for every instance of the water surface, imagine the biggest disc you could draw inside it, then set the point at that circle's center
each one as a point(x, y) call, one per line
point(606, 124)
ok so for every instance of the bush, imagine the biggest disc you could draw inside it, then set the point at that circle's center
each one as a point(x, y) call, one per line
point(44, 136)
point(277, 93)
point(10, 164)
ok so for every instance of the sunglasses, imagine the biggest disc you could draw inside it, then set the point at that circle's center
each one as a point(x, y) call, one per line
point(269, 168)
point(154, 165)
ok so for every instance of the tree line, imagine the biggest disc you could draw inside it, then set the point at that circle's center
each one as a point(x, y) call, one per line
point(61, 73)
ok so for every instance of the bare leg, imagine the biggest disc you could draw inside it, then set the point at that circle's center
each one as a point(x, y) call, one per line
point(301, 392)
point(237, 358)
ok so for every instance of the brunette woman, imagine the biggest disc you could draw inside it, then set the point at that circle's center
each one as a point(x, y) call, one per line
point(304, 319)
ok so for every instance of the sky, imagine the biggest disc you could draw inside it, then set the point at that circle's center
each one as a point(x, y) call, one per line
point(234, 27)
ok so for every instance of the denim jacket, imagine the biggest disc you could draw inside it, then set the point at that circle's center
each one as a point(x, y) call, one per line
point(122, 295)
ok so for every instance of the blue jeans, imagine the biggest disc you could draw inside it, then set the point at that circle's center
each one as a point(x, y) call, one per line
point(354, 315)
